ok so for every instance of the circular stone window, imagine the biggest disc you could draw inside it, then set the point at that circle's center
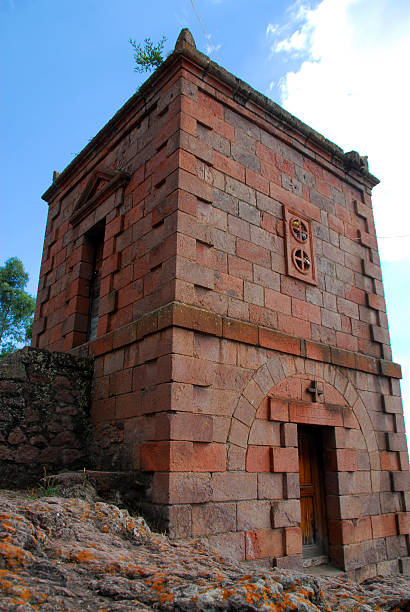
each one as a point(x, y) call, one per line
point(301, 260)
point(299, 229)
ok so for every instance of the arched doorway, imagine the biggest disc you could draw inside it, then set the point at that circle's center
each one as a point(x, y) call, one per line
point(315, 405)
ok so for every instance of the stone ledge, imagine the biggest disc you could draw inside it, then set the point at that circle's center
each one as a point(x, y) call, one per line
point(207, 322)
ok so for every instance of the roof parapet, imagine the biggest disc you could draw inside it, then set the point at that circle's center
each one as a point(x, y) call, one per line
point(242, 93)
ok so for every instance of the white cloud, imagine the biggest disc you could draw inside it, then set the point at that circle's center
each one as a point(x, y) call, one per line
point(296, 42)
point(210, 48)
point(352, 85)
point(271, 29)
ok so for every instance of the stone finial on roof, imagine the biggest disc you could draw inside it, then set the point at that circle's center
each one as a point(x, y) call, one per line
point(185, 38)
point(353, 159)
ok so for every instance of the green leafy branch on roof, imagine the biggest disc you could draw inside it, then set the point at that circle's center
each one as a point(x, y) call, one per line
point(147, 56)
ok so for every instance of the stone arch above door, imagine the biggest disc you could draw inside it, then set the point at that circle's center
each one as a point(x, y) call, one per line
point(278, 369)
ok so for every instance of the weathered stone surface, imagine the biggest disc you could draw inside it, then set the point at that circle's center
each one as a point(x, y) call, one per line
point(58, 553)
point(44, 407)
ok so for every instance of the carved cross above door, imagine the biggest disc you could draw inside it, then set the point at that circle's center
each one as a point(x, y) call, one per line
point(316, 389)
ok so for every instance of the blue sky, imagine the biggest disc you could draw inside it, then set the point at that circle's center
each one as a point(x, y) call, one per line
point(339, 65)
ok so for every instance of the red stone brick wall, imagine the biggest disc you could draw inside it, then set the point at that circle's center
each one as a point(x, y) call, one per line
point(243, 170)
point(140, 239)
point(241, 482)
point(202, 320)
point(229, 178)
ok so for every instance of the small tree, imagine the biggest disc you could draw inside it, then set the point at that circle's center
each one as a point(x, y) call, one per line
point(149, 56)
point(16, 306)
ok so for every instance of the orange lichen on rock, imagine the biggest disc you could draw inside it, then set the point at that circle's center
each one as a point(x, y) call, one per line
point(15, 590)
point(83, 556)
point(14, 556)
point(98, 557)
point(166, 598)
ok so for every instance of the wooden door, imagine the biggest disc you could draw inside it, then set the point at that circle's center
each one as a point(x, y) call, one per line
point(313, 518)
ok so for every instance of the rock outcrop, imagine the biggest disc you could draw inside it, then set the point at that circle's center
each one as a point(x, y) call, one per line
point(78, 554)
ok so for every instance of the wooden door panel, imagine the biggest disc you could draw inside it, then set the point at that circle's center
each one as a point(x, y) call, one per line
point(305, 467)
point(313, 520)
point(307, 523)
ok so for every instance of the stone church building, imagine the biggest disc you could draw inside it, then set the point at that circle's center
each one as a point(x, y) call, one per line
point(218, 258)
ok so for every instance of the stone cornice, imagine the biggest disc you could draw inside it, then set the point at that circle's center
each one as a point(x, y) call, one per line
point(241, 92)
point(207, 322)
